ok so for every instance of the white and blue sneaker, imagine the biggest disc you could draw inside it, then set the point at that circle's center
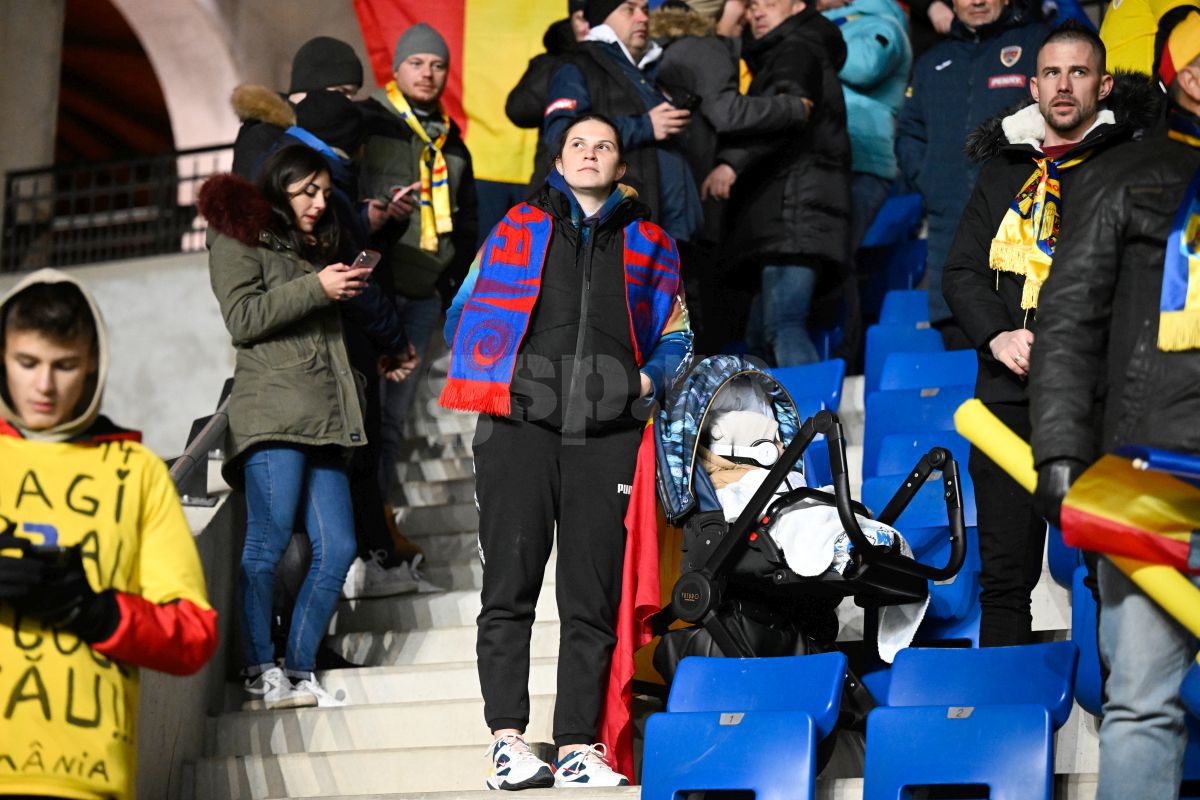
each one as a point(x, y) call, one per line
point(586, 766)
point(515, 767)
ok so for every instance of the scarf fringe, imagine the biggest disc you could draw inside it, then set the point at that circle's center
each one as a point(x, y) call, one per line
point(1014, 258)
point(476, 396)
point(1179, 330)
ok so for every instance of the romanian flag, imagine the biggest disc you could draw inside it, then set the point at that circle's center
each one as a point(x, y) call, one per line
point(491, 43)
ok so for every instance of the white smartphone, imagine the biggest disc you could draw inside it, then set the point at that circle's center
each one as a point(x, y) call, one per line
point(368, 259)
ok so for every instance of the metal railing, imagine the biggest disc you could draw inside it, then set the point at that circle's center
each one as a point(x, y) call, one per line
point(60, 216)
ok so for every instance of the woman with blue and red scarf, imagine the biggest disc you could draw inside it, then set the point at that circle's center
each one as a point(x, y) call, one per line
point(569, 324)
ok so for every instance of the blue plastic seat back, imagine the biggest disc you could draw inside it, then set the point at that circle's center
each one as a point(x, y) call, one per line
point(905, 306)
point(1008, 749)
point(883, 340)
point(896, 221)
point(1088, 683)
point(812, 684)
point(817, 471)
point(927, 509)
point(899, 452)
point(1191, 755)
point(821, 382)
point(1038, 674)
point(922, 370)
point(957, 598)
point(1062, 558)
point(909, 411)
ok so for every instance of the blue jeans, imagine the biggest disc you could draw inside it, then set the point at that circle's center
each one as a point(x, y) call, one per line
point(283, 481)
point(1143, 735)
point(779, 316)
point(420, 319)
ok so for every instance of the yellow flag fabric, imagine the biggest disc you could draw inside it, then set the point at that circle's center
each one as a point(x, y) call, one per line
point(436, 217)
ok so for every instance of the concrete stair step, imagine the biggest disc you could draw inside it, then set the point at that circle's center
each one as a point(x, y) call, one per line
point(448, 547)
point(427, 773)
point(445, 723)
point(415, 612)
point(430, 647)
point(461, 573)
point(447, 424)
point(423, 448)
point(434, 520)
point(438, 493)
point(426, 682)
point(433, 470)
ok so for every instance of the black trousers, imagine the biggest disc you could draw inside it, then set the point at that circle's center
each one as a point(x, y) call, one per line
point(1012, 539)
point(527, 479)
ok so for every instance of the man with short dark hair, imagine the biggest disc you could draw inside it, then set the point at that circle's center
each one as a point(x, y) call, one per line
point(979, 70)
point(1117, 362)
point(98, 571)
point(1002, 253)
point(614, 73)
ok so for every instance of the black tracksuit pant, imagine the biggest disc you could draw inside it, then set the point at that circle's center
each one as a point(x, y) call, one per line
point(1012, 540)
point(527, 478)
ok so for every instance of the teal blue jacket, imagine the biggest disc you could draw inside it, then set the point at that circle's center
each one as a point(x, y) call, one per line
point(874, 79)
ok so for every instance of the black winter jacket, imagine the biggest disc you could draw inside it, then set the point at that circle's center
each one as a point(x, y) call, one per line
point(526, 104)
point(1098, 379)
point(791, 201)
point(986, 302)
point(706, 67)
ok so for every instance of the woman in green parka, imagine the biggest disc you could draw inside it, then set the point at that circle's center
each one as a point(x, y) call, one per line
point(295, 405)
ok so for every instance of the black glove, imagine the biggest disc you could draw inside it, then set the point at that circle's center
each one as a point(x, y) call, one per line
point(53, 587)
point(1054, 479)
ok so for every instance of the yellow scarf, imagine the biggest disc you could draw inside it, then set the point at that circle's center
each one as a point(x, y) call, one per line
point(435, 180)
point(1024, 242)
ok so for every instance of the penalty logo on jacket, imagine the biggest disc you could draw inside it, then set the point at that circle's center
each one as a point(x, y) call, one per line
point(1010, 55)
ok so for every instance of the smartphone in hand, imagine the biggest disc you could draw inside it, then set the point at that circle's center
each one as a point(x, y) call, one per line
point(367, 259)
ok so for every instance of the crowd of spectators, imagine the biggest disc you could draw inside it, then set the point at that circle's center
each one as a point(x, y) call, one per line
point(745, 146)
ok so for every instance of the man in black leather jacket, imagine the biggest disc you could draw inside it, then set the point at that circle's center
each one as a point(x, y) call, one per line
point(1101, 378)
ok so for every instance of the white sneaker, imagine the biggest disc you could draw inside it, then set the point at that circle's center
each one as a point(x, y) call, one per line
point(414, 569)
point(515, 767)
point(586, 766)
point(324, 699)
point(272, 690)
point(372, 579)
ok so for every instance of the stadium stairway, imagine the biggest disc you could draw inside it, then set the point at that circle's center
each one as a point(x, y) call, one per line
point(413, 728)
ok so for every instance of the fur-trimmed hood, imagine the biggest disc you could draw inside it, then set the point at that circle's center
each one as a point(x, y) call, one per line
point(259, 104)
point(667, 24)
point(234, 207)
point(1135, 102)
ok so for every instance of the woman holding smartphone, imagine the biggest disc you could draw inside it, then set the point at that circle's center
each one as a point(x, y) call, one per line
point(295, 409)
point(569, 323)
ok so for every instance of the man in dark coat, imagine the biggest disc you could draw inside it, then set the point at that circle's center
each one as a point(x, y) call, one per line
point(992, 278)
point(981, 69)
point(790, 191)
point(614, 73)
point(1117, 362)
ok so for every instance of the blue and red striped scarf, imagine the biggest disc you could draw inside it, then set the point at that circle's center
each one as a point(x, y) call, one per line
point(503, 290)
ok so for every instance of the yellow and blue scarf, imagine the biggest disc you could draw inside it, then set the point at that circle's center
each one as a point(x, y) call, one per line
point(1179, 304)
point(436, 218)
point(1024, 242)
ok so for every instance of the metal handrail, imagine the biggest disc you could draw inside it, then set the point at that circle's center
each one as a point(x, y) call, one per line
point(190, 470)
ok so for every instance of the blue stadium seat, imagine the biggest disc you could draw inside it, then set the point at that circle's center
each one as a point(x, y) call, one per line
point(923, 370)
point(896, 221)
point(820, 383)
point(743, 724)
point(924, 521)
point(1088, 690)
point(883, 340)
point(909, 411)
point(894, 267)
point(955, 717)
point(899, 452)
point(905, 307)
point(1062, 558)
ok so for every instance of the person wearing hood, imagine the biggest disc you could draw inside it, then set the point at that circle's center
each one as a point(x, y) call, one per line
point(526, 104)
point(99, 574)
point(321, 64)
point(614, 73)
point(979, 70)
point(1003, 252)
point(570, 322)
point(295, 410)
point(789, 193)
point(1116, 363)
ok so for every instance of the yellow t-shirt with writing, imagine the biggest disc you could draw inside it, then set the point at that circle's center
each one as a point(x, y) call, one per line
point(67, 713)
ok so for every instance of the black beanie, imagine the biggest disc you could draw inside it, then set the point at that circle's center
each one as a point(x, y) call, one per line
point(598, 10)
point(576, 5)
point(332, 118)
point(323, 62)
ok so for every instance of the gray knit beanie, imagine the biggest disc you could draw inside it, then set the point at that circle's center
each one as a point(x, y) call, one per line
point(420, 38)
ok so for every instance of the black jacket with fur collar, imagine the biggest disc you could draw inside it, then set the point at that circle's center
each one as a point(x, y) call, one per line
point(986, 302)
